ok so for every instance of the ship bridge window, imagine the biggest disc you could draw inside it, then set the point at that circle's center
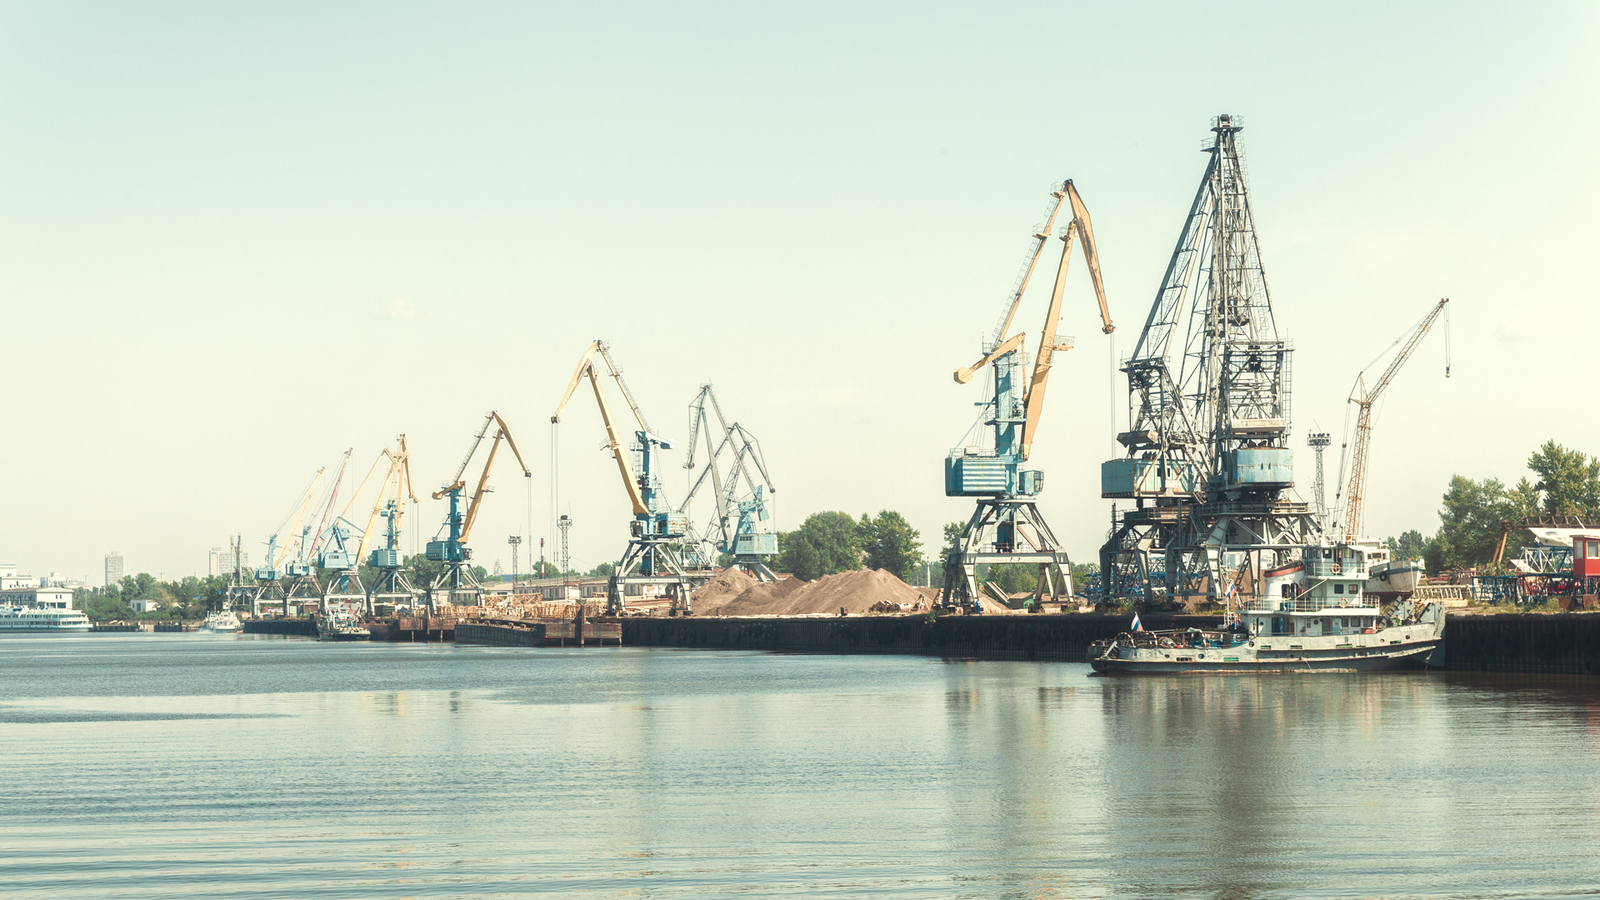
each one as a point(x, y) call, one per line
point(1338, 589)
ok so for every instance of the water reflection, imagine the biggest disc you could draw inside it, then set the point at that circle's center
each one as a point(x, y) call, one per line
point(662, 774)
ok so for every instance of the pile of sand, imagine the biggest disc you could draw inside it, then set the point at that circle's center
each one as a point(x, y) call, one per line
point(720, 591)
point(856, 592)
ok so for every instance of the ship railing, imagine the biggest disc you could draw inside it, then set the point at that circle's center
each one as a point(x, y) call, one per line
point(1333, 606)
point(1330, 568)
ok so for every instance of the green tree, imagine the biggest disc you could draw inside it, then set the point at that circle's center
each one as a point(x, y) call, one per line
point(1569, 479)
point(952, 533)
point(825, 543)
point(890, 543)
point(1013, 578)
point(604, 570)
point(1470, 520)
point(1085, 576)
point(1409, 545)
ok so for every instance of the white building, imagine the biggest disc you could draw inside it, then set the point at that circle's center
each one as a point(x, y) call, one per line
point(43, 597)
point(221, 561)
point(144, 605)
point(113, 567)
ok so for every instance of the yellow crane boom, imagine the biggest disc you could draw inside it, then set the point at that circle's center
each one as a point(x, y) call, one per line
point(1080, 228)
point(1364, 398)
point(399, 476)
point(613, 442)
point(502, 431)
point(294, 529)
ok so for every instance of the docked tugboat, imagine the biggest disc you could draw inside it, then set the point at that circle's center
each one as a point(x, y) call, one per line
point(338, 621)
point(1313, 615)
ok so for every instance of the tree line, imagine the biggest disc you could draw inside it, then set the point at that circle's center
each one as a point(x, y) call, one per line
point(1565, 482)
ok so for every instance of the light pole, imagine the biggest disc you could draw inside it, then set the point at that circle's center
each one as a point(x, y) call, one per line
point(515, 541)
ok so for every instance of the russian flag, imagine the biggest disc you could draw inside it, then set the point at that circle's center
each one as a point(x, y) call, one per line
point(1136, 624)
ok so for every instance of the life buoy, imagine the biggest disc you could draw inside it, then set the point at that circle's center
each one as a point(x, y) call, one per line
point(1336, 569)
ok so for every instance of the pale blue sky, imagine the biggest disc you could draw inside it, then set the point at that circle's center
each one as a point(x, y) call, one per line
point(236, 239)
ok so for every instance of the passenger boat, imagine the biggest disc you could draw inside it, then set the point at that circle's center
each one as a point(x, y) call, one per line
point(1313, 615)
point(41, 618)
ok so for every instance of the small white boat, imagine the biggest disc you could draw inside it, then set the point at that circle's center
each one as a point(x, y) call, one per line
point(1390, 579)
point(224, 622)
point(1313, 616)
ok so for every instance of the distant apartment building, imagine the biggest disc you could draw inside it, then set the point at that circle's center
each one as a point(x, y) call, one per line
point(113, 567)
point(221, 561)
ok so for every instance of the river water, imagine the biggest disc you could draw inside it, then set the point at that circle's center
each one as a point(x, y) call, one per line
point(232, 766)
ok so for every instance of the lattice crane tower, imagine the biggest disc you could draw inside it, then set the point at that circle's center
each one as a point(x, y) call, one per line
point(1208, 463)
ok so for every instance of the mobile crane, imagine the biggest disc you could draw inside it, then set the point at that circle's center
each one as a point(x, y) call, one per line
point(1364, 399)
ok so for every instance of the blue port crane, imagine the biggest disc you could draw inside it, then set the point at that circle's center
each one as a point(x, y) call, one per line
point(658, 558)
point(458, 581)
point(391, 584)
point(300, 573)
point(742, 503)
point(1007, 526)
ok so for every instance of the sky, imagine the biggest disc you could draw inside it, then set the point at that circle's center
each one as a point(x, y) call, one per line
point(237, 240)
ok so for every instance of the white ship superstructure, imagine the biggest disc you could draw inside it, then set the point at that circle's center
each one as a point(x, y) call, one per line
point(41, 618)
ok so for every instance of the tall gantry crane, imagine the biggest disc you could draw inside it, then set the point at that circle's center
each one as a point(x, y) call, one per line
point(270, 577)
point(657, 557)
point(300, 574)
point(1006, 526)
point(1208, 462)
point(1364, 399)
point(458, 579)
point(741, 502)
point(339, 562)
point(391, 584)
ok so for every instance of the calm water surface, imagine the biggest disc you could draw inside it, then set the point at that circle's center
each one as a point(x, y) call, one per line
point(228, 766)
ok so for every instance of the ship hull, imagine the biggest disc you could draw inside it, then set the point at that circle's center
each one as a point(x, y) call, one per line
point(1410, 656)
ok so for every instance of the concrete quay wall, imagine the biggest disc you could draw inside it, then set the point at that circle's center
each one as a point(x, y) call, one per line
point(1564, 644)
point(1044, 637)
point(1560, 644)
point(299, 627)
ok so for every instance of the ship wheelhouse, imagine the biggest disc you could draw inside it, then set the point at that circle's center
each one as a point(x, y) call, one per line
point(1319, 594)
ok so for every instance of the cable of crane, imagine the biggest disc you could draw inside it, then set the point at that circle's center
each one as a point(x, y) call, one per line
point(1447, 340)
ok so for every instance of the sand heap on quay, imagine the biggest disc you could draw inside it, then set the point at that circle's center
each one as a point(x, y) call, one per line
point(733, 593)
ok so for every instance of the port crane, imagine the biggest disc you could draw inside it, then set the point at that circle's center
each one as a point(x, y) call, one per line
point(657, 558)
point(1207, 463)
point(301, 570)
point(391, 583)
point(270, 577)
point(458, 578)
point(1364, 399)
point(741, 502)
point(1007, 526)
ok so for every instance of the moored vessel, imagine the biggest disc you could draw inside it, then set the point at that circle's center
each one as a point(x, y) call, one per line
point(340, 622)
point(222, 622)
point(1313, 615)
point(41, 618)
